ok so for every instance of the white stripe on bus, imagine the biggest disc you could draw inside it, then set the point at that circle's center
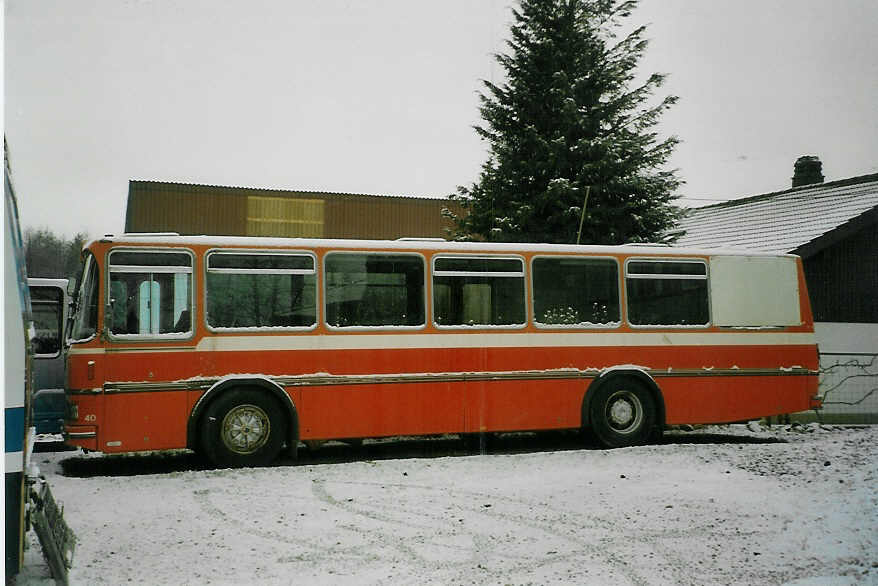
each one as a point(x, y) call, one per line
point(492, 340)
point(390, 341)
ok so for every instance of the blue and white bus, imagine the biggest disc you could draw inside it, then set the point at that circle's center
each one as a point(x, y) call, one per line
point(28, 498)
point(16, 379)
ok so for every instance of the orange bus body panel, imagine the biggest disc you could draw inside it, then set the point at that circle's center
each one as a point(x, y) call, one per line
point(382, 382)
point(398, 408)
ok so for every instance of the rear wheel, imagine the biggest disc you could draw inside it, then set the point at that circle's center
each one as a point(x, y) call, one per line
point(243, 427)
point(622, 413)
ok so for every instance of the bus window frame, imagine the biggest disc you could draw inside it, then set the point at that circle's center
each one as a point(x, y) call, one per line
point(591, 326)
point(640, 276)
point(501, 274)
point(261, 252)
point(150, 337)
point(340, 329)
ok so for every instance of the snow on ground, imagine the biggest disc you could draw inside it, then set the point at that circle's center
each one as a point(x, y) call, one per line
point(716, 505)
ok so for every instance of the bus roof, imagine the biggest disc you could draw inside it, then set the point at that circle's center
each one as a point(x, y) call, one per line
point(168, 239)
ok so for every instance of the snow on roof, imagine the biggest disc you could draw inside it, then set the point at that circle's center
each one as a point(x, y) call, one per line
point(782, 221)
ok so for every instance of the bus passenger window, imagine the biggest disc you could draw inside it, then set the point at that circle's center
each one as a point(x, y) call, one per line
point(475, 291)
point(149, 292)
point(576, 292)
point(374, 290)
point(667, 293)
point(46, 304)
point(261, 290)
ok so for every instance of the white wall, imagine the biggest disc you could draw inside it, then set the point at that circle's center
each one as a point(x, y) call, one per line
point(848, 371)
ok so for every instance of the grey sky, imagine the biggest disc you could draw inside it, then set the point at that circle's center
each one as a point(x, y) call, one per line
point(380, 96)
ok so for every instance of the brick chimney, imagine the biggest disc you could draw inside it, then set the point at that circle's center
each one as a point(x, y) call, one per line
point(807, 170)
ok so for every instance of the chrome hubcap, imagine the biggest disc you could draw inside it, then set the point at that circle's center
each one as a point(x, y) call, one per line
point(245, 429)
point(624, 412)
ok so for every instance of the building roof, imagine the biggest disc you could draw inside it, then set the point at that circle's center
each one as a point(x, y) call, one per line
point(800, 220)
point(241, 190)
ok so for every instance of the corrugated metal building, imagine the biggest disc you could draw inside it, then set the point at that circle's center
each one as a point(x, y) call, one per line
point(191, 209)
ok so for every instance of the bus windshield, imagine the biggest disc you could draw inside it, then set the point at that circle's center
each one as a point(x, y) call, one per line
point(85, 320)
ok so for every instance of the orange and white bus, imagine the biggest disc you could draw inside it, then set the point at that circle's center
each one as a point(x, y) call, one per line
point(238, 348)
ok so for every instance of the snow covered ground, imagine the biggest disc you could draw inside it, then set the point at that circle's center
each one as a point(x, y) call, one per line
point(717, 505)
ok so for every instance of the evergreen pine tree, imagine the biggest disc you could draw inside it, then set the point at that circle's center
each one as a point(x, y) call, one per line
point(565, 126)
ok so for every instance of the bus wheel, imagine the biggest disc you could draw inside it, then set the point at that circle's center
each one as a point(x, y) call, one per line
point(243, 427)
point(622, 413)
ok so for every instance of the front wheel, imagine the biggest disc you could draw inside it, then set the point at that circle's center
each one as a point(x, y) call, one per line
point(622, 413)
point(243, 427)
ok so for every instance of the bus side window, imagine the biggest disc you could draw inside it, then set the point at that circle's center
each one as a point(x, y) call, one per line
point(150, 292)
point(476, 291)
point(377, 290)
point(576, 291)
point(46, 303)
point(667, 293)
point(261, 290)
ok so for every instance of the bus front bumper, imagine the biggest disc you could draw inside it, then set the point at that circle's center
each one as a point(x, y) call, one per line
point(82, 436)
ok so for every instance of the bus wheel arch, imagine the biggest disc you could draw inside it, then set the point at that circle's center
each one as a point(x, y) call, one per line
point(623, 407)
point(254, 387)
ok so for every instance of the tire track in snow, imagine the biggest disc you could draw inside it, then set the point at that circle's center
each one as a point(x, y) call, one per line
point(555, 524)
point(312, 550)
point(458, 530)
point(603, 538)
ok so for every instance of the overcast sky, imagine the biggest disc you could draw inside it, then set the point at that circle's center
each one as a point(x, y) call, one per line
point(379, 97)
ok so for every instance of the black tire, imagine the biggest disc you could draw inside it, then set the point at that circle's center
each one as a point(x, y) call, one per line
point(243, 427)
point(622, 413)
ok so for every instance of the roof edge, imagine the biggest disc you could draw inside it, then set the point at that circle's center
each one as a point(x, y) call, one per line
point(278, 190)
point(838, 183)
point(837, 234)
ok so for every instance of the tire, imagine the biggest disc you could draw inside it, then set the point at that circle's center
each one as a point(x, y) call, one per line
point(243, 427)
point(622, 413)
